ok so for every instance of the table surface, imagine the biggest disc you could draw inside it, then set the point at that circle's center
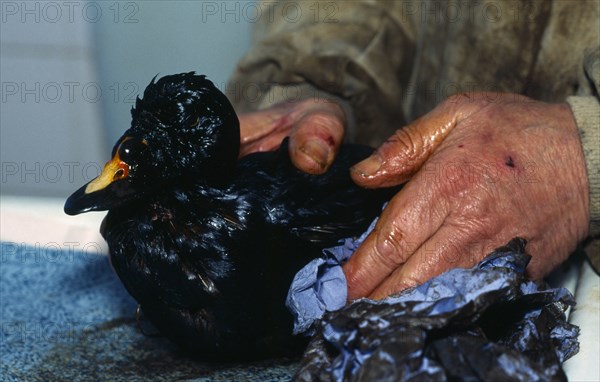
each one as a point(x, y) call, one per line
point(40, 223)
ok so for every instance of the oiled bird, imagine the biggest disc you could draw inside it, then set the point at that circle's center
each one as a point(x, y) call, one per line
point(206, 243)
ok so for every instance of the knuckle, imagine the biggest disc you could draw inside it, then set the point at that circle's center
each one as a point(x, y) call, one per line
point(328, 106)
point(400, 147)
point(469, 232)
point(402, 137)
point(321, 125)
point(322, 119)
point(389, 247)
point(477, 207)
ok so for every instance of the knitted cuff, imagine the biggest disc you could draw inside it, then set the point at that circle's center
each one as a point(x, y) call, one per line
point(587, 115)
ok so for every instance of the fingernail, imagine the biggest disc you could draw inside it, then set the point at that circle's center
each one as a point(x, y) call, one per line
point(368, 166)
point(317, 150)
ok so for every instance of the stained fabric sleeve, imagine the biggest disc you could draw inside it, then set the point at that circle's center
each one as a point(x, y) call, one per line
point(359, 52)
point(586, 109)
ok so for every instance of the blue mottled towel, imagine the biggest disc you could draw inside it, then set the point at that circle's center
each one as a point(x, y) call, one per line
point(66, 317)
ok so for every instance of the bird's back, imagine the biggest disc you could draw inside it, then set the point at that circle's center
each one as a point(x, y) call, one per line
point(321, 209)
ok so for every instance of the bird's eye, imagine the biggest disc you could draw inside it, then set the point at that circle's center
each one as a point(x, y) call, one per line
point(131, 148)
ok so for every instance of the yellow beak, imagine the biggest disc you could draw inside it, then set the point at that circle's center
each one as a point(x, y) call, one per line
point(114, 169)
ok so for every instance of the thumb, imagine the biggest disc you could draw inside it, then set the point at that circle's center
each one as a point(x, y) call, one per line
point(403, 154)
point(316, 139)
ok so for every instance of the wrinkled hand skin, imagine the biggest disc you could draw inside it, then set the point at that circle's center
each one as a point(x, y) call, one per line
point(315, 128)
point(481, 169)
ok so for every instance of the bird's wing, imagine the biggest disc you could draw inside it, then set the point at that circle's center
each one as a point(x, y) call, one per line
point(321, 209)
point(342, 214)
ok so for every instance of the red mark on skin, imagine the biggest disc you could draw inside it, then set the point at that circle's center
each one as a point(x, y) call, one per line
point(327, 138)
point(461, 146)
point(509, 162)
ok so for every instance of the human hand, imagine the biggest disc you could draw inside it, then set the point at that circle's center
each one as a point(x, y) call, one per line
point(315, 128)
point(481, 169)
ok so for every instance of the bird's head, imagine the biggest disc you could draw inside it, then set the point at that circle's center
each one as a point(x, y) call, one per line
point(183, 129)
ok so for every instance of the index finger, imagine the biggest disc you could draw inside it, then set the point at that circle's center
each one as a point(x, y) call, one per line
point(405, 152)
point(410, 218)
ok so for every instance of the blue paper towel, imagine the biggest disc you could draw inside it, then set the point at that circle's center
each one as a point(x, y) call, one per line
point(484, 323)
point(320, 286)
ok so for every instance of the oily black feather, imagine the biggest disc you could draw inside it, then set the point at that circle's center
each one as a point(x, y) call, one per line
point(208, 246)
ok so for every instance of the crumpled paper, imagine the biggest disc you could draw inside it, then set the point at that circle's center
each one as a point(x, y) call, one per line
point(320, 286)
point(487, 323)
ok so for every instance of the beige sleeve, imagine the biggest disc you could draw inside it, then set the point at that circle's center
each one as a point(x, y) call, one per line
point(359, 52)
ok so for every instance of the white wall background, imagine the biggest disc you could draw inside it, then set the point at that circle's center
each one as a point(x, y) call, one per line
point(70, 72)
